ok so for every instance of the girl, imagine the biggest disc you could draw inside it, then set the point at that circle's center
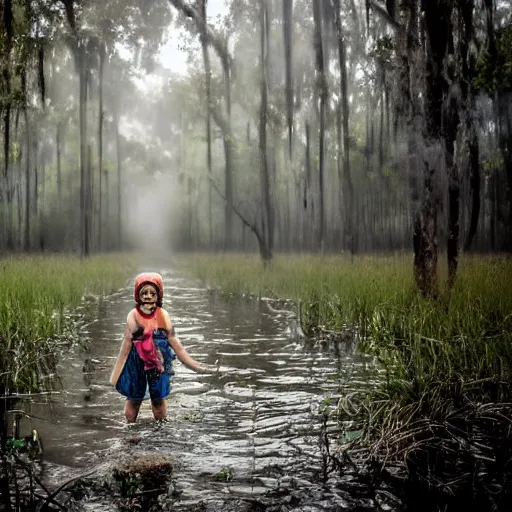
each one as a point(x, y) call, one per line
point(144, 364)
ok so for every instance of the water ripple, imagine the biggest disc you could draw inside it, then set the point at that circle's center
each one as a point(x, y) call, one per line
point(262, 415)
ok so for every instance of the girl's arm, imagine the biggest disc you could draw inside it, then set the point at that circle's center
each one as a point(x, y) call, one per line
point(181, 352)
point(126, 345)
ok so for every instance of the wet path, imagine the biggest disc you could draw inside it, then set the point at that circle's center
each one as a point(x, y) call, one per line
point(238, 434)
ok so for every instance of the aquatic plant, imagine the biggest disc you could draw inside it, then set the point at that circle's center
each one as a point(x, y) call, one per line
point(36, 294)
point(442, 412)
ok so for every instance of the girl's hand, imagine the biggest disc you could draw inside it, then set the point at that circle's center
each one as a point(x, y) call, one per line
point(207, 369)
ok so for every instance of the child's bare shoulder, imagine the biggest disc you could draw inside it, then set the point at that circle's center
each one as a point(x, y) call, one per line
point(168, 322)
point(131, 319)
point(165, 313)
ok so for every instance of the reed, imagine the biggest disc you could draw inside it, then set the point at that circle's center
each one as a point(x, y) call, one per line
point(443, 410)
point(35, 293)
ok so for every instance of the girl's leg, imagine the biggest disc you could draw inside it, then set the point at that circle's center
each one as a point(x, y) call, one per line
point(131, 410)
point(159, 409)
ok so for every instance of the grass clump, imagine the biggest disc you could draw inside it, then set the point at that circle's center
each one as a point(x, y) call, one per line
point(443, 412)
point(35, 292)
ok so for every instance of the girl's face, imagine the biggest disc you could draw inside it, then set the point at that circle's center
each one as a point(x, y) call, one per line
point(148, 297)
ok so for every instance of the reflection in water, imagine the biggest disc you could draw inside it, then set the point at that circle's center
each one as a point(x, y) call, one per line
point(259, 422)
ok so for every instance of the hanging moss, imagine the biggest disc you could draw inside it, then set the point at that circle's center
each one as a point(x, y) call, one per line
point(494, 68)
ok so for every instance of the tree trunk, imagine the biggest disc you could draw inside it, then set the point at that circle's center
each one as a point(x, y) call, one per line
point(224, 122)
point(505, 144)
point(7, 22)
point(89, 189)
point(266, 214)
point(102, 54)
point(452, 246)
point(466, 25)
point(84, 218)
point(438, 32)
point(349, 196)
point(42, 213)
point(26, 244)
point(474, 179)
point(307, 165)
point(207, 73)
point(59, 165)
point(35, 153)
point(119, 182)
point(287, 40)
point(322, 92)
point(450, 122)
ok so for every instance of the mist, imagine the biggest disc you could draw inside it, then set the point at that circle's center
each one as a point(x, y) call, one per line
point(290, 126)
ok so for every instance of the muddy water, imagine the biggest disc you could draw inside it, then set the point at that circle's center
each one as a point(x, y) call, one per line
point(238, 434)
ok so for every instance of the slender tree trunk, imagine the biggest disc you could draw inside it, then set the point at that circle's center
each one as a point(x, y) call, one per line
point(107, 212)
point(287, 40)
point(10, 208)
point(349, 196)
point(19, 193)
point(466, 30)
point(42, 213)
point(474, 179)
point(8, 31)
point(119, 180)
point(450, 123)
point(224, 122)
point(58, 148)
point(84, 217)
point(266, 218)
point(228, 152)
point(207, 73)
point(89, 189)
point(102, 54)
point(321, 90)
point(505, 144)
point(27, 182)
point(453, 212)
point(307, 166)
point(35, 191)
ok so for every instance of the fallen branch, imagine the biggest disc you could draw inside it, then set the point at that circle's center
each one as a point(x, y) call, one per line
point(51, 497)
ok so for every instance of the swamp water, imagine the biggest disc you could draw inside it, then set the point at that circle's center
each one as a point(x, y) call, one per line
point(234, 438)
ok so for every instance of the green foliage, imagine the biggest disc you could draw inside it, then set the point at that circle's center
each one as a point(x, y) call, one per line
point(435, 355)
point(35, 293)
point(226, 474)
point(332, 291)
point(495, 74)
point(383, 50)
point(129, 484)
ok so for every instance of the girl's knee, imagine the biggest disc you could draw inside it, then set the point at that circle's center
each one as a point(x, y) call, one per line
point(159, 409)
point(131, 410)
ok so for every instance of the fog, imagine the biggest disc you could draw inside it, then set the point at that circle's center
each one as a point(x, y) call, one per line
point(288, 129)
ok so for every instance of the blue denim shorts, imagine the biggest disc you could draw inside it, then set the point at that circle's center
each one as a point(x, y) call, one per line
point(138, 384)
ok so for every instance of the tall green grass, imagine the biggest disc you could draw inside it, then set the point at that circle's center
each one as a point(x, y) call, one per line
point(35, 292)
point(330, 289)
point(438, 355)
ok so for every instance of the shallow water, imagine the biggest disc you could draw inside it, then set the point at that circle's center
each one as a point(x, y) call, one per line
point(257, 424)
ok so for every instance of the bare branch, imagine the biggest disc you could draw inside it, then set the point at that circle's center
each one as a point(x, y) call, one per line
point(252, 226)
point(382, 11)
point(215, 40)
